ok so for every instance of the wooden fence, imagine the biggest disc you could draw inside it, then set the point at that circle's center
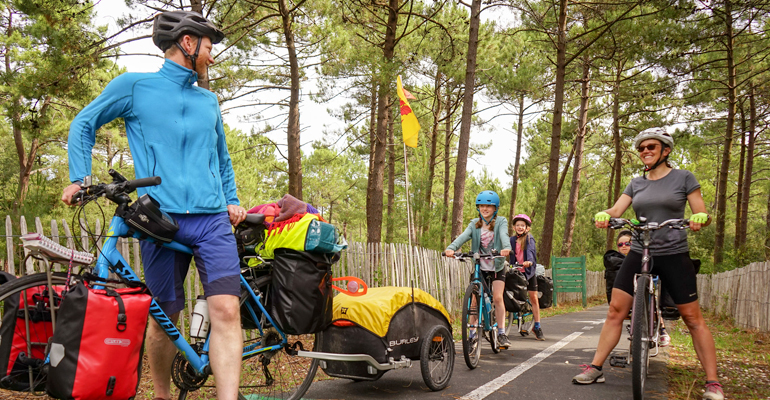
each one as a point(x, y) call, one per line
point(742, 294)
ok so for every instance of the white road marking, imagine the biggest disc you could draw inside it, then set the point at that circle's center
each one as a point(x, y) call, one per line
point(495, 384)
point(588, 328)
point(597, 322)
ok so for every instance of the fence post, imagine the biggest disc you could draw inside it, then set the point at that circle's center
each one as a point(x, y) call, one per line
point(10, 267)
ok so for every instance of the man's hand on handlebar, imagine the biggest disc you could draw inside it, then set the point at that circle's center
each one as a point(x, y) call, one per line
point(68, 192)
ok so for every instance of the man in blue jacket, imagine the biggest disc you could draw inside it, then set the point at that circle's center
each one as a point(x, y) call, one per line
point(175, 131)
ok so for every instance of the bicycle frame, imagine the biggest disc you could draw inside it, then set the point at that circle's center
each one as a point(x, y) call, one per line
point(485, 316)
point(110, 259)
point(651, 290)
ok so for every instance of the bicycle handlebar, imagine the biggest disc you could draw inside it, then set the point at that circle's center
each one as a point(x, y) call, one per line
point(116, 191)
point(643, 225)
point(483, 256)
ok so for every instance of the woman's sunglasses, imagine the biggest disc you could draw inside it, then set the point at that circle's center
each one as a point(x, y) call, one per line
point(621, 244)
point(649, 147)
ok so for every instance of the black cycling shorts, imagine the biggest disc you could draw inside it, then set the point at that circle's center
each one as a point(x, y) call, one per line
point(532, 284)
point(676, 272)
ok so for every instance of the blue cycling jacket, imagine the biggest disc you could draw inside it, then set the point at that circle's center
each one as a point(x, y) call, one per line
point(174, 131)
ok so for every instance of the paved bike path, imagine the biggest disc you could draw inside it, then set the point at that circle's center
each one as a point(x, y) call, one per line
point(529, 368)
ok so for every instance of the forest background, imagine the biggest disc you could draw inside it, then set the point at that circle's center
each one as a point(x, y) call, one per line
point(581, 80)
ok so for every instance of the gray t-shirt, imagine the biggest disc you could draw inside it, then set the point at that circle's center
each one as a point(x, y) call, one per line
point(658, 201)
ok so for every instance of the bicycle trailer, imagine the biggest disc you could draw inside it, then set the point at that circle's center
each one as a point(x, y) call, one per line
point(385, 329)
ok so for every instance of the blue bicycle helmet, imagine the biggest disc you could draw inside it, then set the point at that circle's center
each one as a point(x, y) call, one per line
point(488, 197)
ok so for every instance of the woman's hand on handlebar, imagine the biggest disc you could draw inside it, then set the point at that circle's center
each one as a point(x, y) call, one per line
point(68, 192)
point(602, 219)
point(449, 253)
point(505, 252)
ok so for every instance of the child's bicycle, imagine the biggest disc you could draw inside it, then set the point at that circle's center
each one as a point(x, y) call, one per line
point(645, 312)
point(272, 367)
point(523, 319)
point(478, 310)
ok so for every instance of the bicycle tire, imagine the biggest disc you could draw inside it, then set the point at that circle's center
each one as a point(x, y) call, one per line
point(492, 334)
point(32, 378)
point(640, 349)
point(437, 358)
point(471, 351)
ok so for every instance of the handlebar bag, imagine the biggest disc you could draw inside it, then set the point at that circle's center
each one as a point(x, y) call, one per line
point(301, 291)
point(15, 358)
point(96, 351)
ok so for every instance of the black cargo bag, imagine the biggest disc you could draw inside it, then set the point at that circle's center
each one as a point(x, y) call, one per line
point(515, 296)
point(545, 291)
point(19, 326)
point(302, 290)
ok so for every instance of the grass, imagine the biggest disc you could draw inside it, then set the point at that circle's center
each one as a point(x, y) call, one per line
point(743, 361)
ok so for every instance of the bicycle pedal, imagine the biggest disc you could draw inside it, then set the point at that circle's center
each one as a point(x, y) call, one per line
point(618, 361)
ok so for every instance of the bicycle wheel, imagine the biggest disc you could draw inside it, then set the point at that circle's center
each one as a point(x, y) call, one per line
point(28, 347)
point(640, 349)
point(279, 374)
point(437, 358)
point(471, 347)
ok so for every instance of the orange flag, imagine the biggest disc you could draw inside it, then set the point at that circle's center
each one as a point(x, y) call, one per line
point(409, 124)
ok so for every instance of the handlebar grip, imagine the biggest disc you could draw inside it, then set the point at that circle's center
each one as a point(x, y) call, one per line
point(143, 182)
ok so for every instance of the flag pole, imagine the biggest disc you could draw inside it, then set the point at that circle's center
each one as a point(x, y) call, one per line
point(408, 208)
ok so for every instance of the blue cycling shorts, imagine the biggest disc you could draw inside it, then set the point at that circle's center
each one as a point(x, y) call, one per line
point(216, 258)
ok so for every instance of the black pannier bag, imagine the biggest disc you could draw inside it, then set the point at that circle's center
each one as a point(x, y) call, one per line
point(16, 360)
point(515, 296)
point(302, 290)
point(96, 352)
point(668, 308)
point(545, 291)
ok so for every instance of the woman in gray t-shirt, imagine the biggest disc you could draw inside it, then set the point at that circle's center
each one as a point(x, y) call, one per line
point(661, 193)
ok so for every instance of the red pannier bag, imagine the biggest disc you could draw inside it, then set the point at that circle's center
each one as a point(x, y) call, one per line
point(96, 351)
point(16, 359)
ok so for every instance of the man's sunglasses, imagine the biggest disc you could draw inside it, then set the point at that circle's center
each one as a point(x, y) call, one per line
point(649, 147)
point(621, 244)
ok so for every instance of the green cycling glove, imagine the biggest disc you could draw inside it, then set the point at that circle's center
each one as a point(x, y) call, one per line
point(699, 218)
point(602, 216)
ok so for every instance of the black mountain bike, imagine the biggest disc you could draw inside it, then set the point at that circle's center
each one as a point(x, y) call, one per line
point(645, 321)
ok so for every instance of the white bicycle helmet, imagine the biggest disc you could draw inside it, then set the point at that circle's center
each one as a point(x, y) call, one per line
point(654, 133)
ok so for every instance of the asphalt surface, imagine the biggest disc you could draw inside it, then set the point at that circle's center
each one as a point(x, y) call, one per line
point(539, 370)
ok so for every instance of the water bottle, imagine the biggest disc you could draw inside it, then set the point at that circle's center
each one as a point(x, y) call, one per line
point(199, 324)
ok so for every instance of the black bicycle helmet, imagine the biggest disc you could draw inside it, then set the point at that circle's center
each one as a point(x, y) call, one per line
point(169, 26)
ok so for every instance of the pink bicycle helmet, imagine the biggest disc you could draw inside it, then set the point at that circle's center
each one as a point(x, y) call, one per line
point(522, 217)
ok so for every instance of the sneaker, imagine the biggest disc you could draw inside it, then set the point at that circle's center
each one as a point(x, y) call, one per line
point(664, 339)
point(538, 333)
point(589, 376)
point(713, 391)
point(502, 341)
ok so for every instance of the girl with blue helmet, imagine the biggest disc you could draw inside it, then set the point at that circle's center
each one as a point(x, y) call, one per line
point(489, 232)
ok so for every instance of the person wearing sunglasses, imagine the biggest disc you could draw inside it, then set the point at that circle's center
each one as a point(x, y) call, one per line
point(661, 193)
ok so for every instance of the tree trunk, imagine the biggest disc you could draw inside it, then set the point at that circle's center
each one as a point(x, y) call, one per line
point(465, 124)
point(376, 172)
point(26, 158)
point(767, 225)
point(516, 164)
point(719, 236)
point(447, 164)
point(546, 239)
point(203, 76)
point(292, 131)
point(426, 214)
point(390, 226)
point(574, 192)
point(749, 171)
point(617, 165)
point(739, 191)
